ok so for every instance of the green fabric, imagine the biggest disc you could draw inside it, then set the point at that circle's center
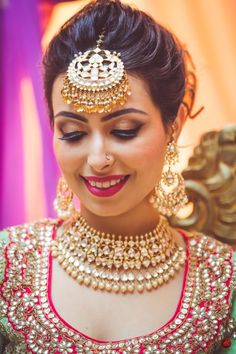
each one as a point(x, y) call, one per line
point(4, 239)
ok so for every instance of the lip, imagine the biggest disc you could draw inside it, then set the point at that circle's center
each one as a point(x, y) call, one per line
point(105, 192)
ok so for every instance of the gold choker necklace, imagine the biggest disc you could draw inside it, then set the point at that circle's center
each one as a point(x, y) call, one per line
point(118, 264)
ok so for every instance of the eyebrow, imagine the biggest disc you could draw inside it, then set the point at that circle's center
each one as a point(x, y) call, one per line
point(103, 119)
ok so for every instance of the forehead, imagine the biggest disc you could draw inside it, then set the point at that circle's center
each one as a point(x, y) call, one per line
point(140, 98)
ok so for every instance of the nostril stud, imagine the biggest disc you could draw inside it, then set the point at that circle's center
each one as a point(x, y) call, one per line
point(108, 156)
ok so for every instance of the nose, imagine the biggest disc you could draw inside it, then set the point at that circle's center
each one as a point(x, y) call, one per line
point(100, 162)
point(99, 159)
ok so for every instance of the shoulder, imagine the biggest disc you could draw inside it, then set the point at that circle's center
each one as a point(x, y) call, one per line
point(28, 226)
point(3, 237)
point(214, 262)
point(4, 240)
point(211, 276)
point(18, 232)
point(22, 238)
point(208, 243)
point(228, 343)
point(214, 259)
point(36, 224)
point(12, 233)
point(20, 246)
point(209, 248)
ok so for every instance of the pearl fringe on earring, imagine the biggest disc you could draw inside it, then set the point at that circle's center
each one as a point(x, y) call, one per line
point(170, 194)
point(63, 203)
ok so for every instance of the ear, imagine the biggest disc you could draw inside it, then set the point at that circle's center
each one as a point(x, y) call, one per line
point(180, 120)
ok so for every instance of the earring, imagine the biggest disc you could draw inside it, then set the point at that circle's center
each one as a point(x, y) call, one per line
point(170, 193)
point(63, 203)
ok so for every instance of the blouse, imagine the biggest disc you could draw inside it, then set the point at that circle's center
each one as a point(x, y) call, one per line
point(204, 321)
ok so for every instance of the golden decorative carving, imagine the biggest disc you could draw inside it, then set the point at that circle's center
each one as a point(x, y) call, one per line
point(211, 187)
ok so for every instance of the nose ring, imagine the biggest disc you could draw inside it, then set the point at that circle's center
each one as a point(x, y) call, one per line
point(108, 156)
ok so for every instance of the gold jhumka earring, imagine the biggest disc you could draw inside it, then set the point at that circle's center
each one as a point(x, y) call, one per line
point(63, 203)
point(169, 195)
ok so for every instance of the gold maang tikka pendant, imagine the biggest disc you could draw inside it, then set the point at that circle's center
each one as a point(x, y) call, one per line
point(96, 81)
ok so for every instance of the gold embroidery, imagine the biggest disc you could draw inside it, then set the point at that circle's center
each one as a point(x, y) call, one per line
point(199, 326)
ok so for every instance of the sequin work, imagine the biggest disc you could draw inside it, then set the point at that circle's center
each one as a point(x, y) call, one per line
point(198, 326)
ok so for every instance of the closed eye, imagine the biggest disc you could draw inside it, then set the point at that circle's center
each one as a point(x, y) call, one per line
point(126, 133)
point(73, 136)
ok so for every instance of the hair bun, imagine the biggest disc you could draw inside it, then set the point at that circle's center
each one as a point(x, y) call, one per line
point(148, 50)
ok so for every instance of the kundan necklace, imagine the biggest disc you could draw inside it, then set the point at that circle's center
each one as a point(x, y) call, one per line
point(118, 264)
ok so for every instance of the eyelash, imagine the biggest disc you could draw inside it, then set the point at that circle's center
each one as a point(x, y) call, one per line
point(124, 134)
point(74, 136)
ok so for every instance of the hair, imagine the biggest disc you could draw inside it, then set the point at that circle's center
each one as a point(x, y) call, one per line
point(147, 49)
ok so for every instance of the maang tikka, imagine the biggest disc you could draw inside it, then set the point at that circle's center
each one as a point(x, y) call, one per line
point(169, 195)
point(96, 80)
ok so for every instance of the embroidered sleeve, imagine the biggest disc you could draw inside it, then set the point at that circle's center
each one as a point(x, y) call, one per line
point(4, 239)
point(228, 344)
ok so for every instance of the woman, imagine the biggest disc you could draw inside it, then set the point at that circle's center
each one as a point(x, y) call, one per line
point(118, 91)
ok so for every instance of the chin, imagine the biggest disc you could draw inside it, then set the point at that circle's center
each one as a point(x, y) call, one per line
point(107, 211)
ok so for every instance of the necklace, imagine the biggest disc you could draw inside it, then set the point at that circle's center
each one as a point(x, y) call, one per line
point(118, 264)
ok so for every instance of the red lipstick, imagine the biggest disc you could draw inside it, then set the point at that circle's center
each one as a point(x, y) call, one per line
point(105, 191)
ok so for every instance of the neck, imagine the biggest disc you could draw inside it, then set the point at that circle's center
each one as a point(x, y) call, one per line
point(141, 219)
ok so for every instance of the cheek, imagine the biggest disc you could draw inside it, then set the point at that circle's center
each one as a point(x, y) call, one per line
point(68, 156)
point(147, 153)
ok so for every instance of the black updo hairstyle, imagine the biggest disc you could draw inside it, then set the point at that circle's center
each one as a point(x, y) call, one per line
point(147, 49)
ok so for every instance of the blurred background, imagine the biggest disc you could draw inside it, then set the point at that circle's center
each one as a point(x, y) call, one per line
point(29, 172)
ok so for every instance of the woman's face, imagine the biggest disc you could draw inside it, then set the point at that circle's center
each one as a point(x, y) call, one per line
point(132, 136)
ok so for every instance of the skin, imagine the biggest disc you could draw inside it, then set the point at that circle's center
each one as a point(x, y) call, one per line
point(142, 157)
